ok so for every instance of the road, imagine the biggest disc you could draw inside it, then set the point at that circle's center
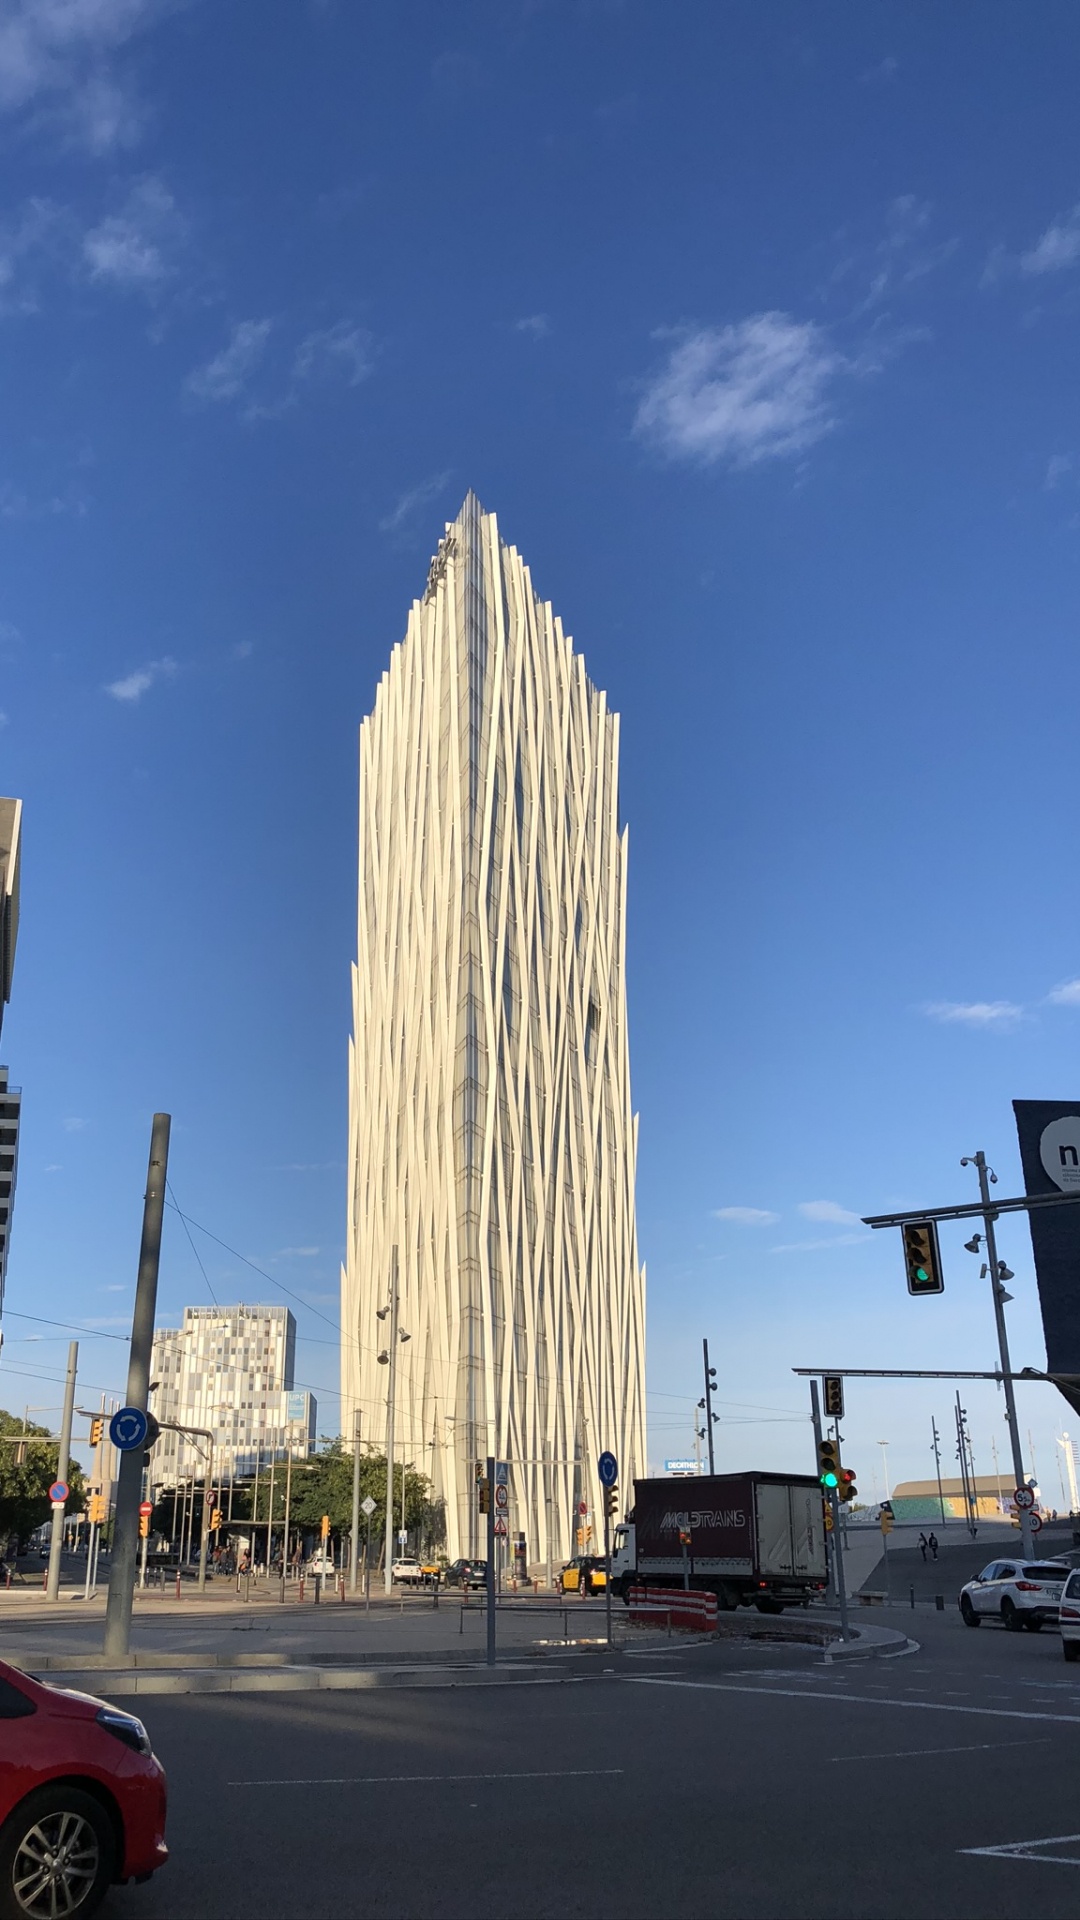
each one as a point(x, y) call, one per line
point(715, 1780)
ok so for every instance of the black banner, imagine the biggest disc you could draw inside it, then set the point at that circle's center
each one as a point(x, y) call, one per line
point(1049, 1132)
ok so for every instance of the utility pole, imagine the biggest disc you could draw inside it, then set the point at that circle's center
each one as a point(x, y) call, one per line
point(832, 1555)
point(129, 1480)
point(270, 1514)
point(208, 1486)
point(285, 1540)
point(706, 1403)
point(986, 1177)
point(56, 1541)
point(970, 1503)
point(354, 1550)
point(937, 1467)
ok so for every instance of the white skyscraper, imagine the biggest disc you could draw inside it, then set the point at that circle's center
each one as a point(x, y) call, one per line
point(492, 1142)
point(229, 1371)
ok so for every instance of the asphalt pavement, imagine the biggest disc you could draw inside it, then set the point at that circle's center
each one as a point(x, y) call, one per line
point(714, 1780)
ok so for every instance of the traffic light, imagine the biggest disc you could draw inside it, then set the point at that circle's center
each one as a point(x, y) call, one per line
point(215, 1519)
point(847, 1490)
point(144, 1526)
point(611, 1502)
point(684, 1536)
point(834, 1396)
point(97, 1428)
point(324, 1527)
point(922, 1257)
point(96, 1512)
point(484, 1490)
point(829, 1465)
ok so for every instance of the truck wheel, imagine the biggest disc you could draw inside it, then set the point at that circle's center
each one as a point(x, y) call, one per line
point(625, 1585)
point(766, 1604)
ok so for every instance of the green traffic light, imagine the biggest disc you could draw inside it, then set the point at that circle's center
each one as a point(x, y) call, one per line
point(829, 1480)
point(921, 1273)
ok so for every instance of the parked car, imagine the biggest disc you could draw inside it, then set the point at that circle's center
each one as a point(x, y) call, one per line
point(584, 1574)
point(1019, 1593)
point(82, 1800)
point(466, 1573)
point(1069, 1616)
point(320, 1563)
point(408, 1573)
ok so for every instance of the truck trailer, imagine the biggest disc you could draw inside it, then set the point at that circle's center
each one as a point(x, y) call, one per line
point(750, 1538)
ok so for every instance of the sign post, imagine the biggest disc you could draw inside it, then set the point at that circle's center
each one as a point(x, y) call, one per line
point(367, 1508)
point(608, 1468)
point(489, 1571)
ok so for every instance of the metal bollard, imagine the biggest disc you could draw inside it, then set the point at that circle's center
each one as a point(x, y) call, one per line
point(939, 1602)
point(911, 1590)
point(178, 1583)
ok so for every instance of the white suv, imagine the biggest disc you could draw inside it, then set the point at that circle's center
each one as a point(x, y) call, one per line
point(1019, 1593)
point(1070, 1618)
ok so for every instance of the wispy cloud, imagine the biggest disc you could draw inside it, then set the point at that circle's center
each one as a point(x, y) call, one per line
point(133, 685)
point(410, 502)
point(534, 324)
point(975, 1013)
point(885, 70)
point(746, 1216)
point(1067, 995)
point(225, 376)
point(1058, 468)
point(341, 351)
point(1058, 247)
point(59, 55)
point(74, 1125)
point(297, 1253)
point(128, 248)
point(821, 1246)
point(756, 390)
point(828, 1211)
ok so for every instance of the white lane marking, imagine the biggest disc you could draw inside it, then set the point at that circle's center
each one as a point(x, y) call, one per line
point(428, 1779)
point(918, 1753)
point(1029, 1850)
point(852, 1699)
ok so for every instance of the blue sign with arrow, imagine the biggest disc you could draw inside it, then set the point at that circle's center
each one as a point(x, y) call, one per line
point(128, 1429)
point(608, 1468)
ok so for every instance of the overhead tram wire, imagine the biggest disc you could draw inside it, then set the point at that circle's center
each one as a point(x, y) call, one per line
point(191, 1243)
point(70, 1326)
point(237, 1255)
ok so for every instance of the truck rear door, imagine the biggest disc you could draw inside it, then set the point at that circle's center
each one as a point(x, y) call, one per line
point(774, 1542)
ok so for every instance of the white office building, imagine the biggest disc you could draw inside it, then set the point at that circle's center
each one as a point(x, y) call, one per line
point(228, 1371)
point(492, 1141)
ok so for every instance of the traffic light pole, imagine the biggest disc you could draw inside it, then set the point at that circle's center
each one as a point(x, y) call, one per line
point(709, 1371)
point(607, 1563)
point(838, 1565)
point(489, 1573)
point(978, 1160)
point(815, 1415)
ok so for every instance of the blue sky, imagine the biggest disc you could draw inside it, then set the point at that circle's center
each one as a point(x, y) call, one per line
point(758, 331)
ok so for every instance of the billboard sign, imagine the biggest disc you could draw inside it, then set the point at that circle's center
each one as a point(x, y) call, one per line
point(1049, 1133)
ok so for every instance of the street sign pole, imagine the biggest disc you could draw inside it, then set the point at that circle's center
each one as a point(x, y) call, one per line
point(830, 1549)
point(52, 1587)
point(489, 1579)
point(129, 1479)
point(354, 1549)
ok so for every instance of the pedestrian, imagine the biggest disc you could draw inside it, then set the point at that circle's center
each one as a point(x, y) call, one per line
point(923, 1544)
point(932, 1543)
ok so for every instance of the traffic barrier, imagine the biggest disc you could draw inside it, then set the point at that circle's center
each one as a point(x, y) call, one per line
point(694, 1612)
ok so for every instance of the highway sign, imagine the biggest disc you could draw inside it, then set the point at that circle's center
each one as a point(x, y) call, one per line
point(146, 1508)
point(502, 1498)
point(128, 1429)
point(608, 1468)
point(58, 1492)
point(1035, 1522)
point(500, 1526)
point(367, 1505)
point(1024, 1497)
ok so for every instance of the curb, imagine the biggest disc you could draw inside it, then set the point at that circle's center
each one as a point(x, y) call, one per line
point(130, 1685)
point(887, 1644)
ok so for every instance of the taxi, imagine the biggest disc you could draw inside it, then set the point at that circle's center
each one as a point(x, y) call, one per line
point(584, 1574)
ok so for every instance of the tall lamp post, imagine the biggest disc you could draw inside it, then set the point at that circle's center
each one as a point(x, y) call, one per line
point(998, 1273)
point(388, 1358)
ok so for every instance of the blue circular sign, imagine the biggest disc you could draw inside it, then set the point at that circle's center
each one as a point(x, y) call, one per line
point(608, 1468)
point(128, 1428)
point(58, 1492)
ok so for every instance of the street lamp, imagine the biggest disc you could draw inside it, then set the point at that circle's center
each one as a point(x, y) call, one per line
point(883, 1444)
point(388, 1358)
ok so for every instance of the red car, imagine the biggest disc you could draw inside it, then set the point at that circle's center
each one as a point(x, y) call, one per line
point(82, 1800)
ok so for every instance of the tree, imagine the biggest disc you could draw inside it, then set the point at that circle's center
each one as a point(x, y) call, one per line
point(26, 1474)
point(324, 1484)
